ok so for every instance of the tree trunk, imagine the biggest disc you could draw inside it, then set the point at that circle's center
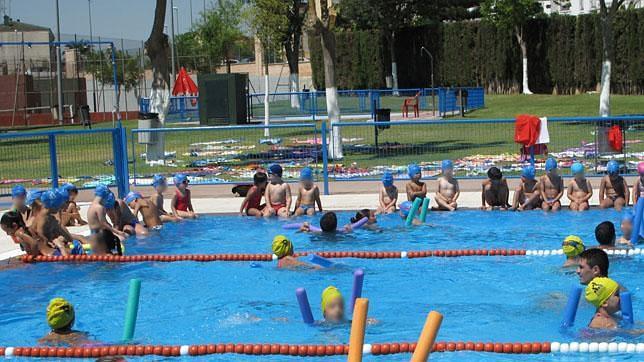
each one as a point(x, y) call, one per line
point(608, 51)
point(524, 58)
point(292, 48)
point(158, 50)
point(394, 65)
point(332, 106)
point(267, 89)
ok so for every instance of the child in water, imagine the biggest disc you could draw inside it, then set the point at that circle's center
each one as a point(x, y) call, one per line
point(551, 187)
point(308, 194)
point(61, 318)
point(572, 247)
point(181, 201)
point(97, 212)
point(332, 305)
point(626, 226)
point(638, 187)
point(448, 190)
point(252, 204)
point(160, 186)
point(328, 224)
point(104, 242)
point(414, 187)
point(605, 235)
point(613, 189)
point(388, 196)
point(405, 209)
point(593, 263)
point(603, 293)
point(369, 214)
point(494, 190)
point(579, 189)
point(278, 194)
point(527, 196)
point(283, 249)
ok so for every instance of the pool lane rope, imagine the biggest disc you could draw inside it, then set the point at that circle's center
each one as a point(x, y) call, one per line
point(307, 350)
point(324, 254)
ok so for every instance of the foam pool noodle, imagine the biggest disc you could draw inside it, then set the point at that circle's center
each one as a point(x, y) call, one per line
point(637, 221)
point(305, 306)
point(356, 291)
point(318, 260)
point(626, 306)
point(423, 210)
point(571, 307)
point(413, 211)
point(132, 309)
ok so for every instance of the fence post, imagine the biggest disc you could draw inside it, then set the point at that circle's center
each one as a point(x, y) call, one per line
point(126, 168)
point(53, 161)
point(133, 158)
point(325, 159)
point(119, 146)
point(314, 99)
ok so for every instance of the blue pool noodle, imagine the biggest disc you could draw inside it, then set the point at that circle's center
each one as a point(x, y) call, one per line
point(571, 307)
point(305, 307)
point(292, 226)
point(356, 292)
point(423, 210)
point(637, 221)
point(360, 223)
point(413, 211)
point(626, 305)
point(318, 260)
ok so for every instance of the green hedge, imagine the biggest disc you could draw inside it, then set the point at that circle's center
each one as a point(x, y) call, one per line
point(564, 56)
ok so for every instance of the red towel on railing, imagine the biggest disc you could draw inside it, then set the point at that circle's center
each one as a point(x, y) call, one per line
point(526, 129)
point(615, 138)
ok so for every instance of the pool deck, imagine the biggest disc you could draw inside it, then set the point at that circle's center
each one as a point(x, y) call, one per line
point(218, 199)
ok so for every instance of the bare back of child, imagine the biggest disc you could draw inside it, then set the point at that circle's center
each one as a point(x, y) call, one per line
point(494, 190)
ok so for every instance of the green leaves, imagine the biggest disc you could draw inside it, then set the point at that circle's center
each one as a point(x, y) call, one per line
point(510, 13)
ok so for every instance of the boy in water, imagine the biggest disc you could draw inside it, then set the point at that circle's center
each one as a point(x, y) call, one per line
point(278, 194)
point(405, 209)
point(593, 263)
point(638, 187)
point(71, 212)
point(252, 204)
point(124, 220)
point(572, 247)
point(579, 189)
point(626, 226)
point(332, 305)
point(551, 187)
point(605, 235)
point(182, 201)
point(18, 201)
point(61, 318)
point(603, 293)
point(160, 186)
point(283, 249)
point(414, 187)
point(308, 194)
point(494, 190)
point(148, 212)
point(527, 196)
point(97, 212)
point(388, 195)
point(613, 189)
point(448, 190)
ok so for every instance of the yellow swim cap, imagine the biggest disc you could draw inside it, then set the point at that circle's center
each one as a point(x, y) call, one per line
point(572, 246)
point(60, 313)
point(599, 290)
point(282, 246)
point(328, 295)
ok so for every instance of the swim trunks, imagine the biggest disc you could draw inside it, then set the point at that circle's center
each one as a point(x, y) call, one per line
point(76, 249)
point(278, 207)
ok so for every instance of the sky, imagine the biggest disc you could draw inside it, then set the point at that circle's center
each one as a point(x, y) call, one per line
point(128, 19)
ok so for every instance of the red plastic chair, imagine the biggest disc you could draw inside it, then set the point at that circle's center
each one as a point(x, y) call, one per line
point(410, 102)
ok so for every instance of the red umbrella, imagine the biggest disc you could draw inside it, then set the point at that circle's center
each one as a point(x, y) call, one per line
point(184, 84)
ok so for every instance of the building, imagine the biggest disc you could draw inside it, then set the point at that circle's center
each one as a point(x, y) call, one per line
point(34, 58)
point(578, 7)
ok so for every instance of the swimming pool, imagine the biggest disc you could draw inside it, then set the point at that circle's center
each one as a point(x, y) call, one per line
point(493, 298)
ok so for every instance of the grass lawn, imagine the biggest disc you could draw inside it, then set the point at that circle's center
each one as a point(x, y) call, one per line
point(88, 155)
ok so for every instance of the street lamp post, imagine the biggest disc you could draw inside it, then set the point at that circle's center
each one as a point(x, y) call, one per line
point(192, 24)
point(172, 47)
point(59, 65)
point(431, 64)
point(91, 39)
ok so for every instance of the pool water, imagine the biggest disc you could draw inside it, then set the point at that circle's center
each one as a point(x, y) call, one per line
point(497, 299)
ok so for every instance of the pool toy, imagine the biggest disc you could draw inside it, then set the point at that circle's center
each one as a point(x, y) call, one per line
point(318, 260)
point(571, 307)
point(132, 309)
point(427, 337)
point(356, 291)
point(638, 230)
point(626, 305)
point(296, 226)
point(423, 210)
point(358, 324)
point(412, 211)
point(305, 306)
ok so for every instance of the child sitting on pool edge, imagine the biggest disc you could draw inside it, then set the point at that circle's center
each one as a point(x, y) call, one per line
point(160, 186)
point(526, 196)
point(414, 187)
point(18, 201)
point(572, 246)
point(148, 211)
point(613, 189)
point(61, 318)
point(70, 211)
point(332, 305)
point(579, 189)
point(308, 195)
point(283, 249)
point(448, 190)
point(278, 194)
point(181, 201)
point(551, 187)
point(388, 196)
point(252, 204)
point(603, 293)
point(494, 190)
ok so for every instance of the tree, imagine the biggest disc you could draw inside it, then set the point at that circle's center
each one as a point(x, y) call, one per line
point(99, 64)
point(513, 14)
point(321, 20)
point(157, 48)
point(607, 18)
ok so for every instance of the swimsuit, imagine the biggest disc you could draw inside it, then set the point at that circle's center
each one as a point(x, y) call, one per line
point(183, 200)
point(305, 208)
point(254, 202)
point(278, 207)
point(75, 246)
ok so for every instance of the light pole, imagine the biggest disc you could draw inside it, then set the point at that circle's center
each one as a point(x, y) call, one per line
point(172, 38)
point(91, 39)
point(176, 48)
point(431, 64)
point(59, 65)
point(192, 24)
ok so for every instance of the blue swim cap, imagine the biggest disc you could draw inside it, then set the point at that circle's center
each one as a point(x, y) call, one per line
point(446, 164)
point(131, 196)
point(306, 174)
point(551, 163)
point(101, 191)
point(158, 180)
point(275, 169)
point(180, 178)
point(405, 207)
point(577, 168)
point(413, 169)
point(32, 196)
point(109, 201)
point(63, 194)
point(18, 191)
point(612, 167)
point(528, 172)
point(628, 216)
point(68, 187)
point(51, 200)
point(387, 179)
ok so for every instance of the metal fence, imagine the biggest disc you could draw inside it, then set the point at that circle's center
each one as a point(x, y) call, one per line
point(49, 158)
point(226, 154)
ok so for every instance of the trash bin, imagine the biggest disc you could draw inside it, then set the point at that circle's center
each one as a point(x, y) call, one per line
point(84, 115)
point(383, 115)
point(148, 121)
